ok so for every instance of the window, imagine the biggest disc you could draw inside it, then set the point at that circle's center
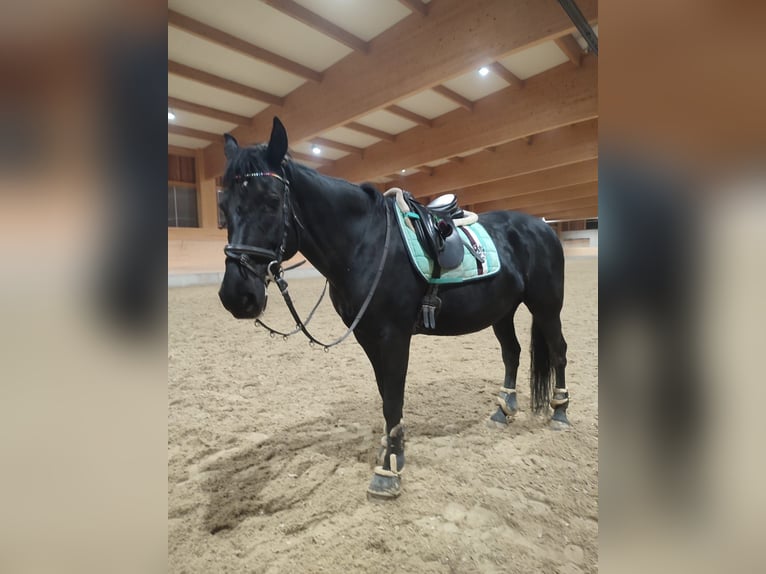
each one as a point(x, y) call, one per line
point(182, 206)
point(591, 224)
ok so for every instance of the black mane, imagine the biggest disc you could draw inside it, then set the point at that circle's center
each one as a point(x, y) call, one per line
point(365, 191)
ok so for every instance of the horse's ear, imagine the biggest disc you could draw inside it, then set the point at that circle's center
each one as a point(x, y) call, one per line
point(230, 146)
point(277, 144)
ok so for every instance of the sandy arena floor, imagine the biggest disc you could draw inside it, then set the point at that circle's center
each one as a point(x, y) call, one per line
point(271, 443)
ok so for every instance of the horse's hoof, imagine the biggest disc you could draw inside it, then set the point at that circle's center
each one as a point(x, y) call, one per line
point(499, 419)
point(384, 487)
point(559, 421)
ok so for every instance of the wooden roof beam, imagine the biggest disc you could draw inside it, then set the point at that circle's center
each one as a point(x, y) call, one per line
point(182, 22)
point(561, 96)
point(222, 83)
point(191, 132)
point(578, 209)
point(563, 146)
point(541, 199)
point(337, 145)
point(501, 71)
point(426, 169)
point(206, 111)
point(571, 48)
point(315, 21)
point(573, 215)
point(380, 134)
point(416, 6)
point(181, 151)
point(464, 103)
point(312, 158)
point(407, 114)
point(313, 109)
point(562, 206)
point(560, 177)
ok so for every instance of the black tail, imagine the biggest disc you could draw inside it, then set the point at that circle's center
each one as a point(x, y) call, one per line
point(541, 370)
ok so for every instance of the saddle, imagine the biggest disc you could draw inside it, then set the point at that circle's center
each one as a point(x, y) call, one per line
point(435, 226)
point(436, 232)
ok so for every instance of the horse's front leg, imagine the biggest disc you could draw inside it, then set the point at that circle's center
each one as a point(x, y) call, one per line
point(389, 354)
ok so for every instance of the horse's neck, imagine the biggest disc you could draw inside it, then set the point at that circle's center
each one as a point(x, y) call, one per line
point(335, 219)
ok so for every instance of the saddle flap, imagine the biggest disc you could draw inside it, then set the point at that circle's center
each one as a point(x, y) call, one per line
point(451, 255)
point(444, 248)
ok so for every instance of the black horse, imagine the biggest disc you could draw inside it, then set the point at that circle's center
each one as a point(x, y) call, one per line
point(275, 208)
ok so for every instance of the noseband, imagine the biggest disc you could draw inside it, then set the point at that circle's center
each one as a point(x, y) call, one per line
point(244, 255)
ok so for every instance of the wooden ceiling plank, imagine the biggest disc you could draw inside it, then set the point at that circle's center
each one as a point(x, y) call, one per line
point(312, 158)
point(464, 103)
point(182, 22)
point(580, 200)
point(222, 83)
point(573, 215)
point(191, 132)
point(541, 199)
point(412, 116)
point(501, 71)
point(179, 104)
point(315, 21)
point(416, 6)
point(337, 145)
point(581, 209)
point(561, 96)
point(571, 48)
point(563, 206)
point(426, 169)
point(380, 134)
point(181, 151)
point(408, 58)
point(531, 183)
point(559, 147)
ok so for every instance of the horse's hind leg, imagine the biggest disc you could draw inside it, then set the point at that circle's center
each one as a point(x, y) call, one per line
point(506, 334)
point(549, 358)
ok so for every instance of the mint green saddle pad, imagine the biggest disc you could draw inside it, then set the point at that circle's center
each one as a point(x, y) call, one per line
point(469, 270)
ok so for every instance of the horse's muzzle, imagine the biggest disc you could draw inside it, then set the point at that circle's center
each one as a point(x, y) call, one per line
point(244, 298)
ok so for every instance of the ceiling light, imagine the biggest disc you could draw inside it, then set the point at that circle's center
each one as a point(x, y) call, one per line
point(404, 170)
point(316, 150)
point(171, 115)
point(483, 71)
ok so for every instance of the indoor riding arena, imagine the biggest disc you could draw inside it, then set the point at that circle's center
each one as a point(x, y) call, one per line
point(272, 442)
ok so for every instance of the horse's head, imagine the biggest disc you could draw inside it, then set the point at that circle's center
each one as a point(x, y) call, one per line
point(254, 201)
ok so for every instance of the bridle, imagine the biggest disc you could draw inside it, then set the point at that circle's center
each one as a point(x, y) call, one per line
point(243, 255)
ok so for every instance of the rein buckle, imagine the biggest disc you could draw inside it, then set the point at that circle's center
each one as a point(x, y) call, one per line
point(271, 276)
